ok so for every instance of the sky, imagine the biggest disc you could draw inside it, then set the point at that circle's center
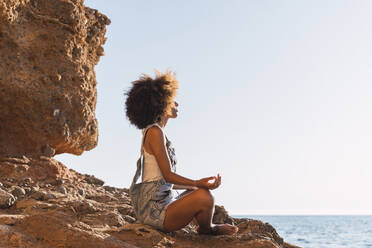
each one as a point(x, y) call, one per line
point(273, 95)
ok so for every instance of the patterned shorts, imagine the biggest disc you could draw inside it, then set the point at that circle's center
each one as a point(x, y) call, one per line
point(150, 201)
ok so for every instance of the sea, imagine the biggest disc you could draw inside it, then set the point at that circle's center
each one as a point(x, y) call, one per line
point(321, 231)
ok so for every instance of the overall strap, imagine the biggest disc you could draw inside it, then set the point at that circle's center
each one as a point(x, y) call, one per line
point(141, 160)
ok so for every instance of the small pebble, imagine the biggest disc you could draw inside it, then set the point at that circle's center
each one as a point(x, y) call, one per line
point(60, 181)
point(81, 192)
point(58, 77)
point(27, 189)
point(38, 195)
point(18, 191)
point(93, 180)
point(109, 188)
point(7, 184)
point(129, 219)
point(28, 180)
point(35, 188)
point(56, 182)
point(61, 189)
point(6, 199)
point(24, 184)
point(49, 196)
point(84, 206)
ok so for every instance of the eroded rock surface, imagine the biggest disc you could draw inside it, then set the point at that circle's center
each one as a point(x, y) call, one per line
point(48, 51)
point(50, 210)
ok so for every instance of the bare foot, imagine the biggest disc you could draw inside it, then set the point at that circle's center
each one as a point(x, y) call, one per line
point(222, 229)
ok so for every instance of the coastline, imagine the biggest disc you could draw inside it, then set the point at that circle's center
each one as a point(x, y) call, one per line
point(321, 231)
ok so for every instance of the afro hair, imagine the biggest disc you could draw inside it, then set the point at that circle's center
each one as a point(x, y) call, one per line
point(149, 99)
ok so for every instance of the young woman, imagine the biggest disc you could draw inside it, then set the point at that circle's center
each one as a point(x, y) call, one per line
point(149, 105)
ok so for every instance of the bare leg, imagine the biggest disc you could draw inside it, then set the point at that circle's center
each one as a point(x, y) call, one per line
point(184, 193)
point(198, 204)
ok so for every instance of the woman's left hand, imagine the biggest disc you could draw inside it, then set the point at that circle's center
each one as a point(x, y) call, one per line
point(209, 182)
point(215, 183)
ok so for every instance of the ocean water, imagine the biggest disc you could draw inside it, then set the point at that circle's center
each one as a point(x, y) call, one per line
point(321, 231)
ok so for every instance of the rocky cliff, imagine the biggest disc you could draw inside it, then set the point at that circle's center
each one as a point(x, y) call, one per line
point(45, 204)
point(48, 51)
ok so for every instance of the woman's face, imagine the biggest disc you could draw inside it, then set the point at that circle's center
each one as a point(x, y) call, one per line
point(174, 110)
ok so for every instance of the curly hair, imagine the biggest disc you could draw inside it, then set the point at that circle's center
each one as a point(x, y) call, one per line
point(149, 99)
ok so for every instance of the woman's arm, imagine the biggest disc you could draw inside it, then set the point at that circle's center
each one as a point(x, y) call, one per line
point(178, 186)
point(155, 139)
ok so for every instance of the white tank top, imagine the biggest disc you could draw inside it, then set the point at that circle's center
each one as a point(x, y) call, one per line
point(151, 170)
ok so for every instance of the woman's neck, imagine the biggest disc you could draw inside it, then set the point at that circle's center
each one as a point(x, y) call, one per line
point(163, 122)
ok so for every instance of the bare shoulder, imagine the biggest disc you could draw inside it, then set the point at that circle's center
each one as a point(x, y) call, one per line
point(155, 135)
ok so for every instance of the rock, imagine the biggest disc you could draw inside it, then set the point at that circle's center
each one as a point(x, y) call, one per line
point(15, 160)
point(10, 219)
point(37, 171)
point(126, 209)
point(6, 199)
point(81, 192)
point(18, 191)
point(106, 218)
point(28, 180)
point(61, 189)
point(248, 226)
point(165, 242)
point(52, 229)
point(99, 197)
point(84, 207)
point(221, 216)
point(125, 190)
point(34, 189)
point(54, 182)
point(110, 189)
point(7, 184)
point(43, 196)
point(49, 196)
point(38, 195)
point(129, 219)
point(47, 81)
point(59, 182)
point(93, 180)
point(144, 235)
point(47, 151)
point(27, 190)
point(15, 240)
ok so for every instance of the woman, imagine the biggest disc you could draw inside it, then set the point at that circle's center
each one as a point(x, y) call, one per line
point(149, 105)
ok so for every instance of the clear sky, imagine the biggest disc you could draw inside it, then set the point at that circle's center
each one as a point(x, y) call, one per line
point(276, 96)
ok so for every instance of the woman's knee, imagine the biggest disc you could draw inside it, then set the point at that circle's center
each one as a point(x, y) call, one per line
point(206, 197)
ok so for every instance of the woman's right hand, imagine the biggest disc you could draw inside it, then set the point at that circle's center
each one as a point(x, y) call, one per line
point(209, 182)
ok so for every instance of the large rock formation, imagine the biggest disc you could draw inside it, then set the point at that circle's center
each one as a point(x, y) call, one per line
point(48, 50)
point(45, 204)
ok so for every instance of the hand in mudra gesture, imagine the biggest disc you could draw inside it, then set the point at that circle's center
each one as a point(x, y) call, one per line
point(209, 182)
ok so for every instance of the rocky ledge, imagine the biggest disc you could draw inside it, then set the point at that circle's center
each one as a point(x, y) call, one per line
point(45, 204)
